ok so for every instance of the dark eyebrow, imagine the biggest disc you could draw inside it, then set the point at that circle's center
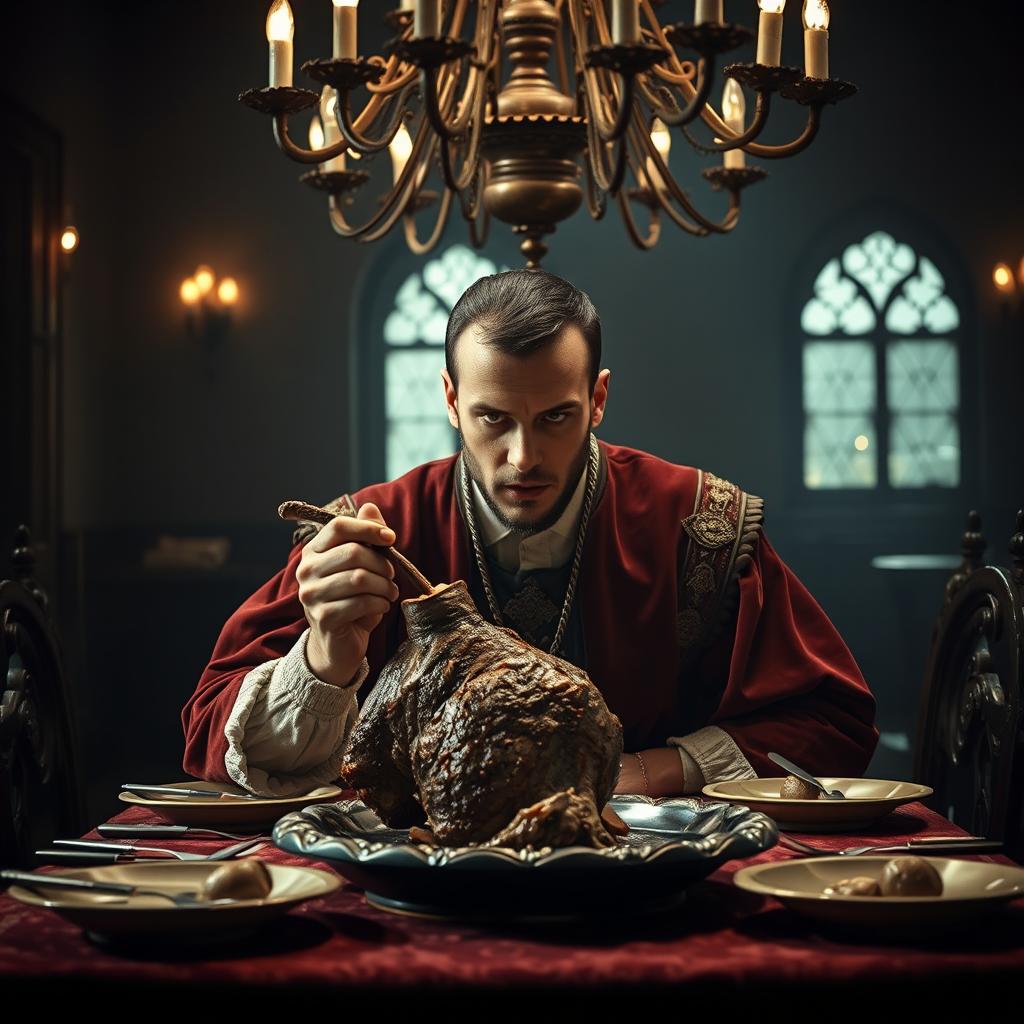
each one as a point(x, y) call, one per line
point(481, 408)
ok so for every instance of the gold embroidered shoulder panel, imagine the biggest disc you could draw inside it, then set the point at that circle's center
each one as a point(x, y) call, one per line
point(721, 533)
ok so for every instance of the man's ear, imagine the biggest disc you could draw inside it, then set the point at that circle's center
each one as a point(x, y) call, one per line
point(451, 398)
point(599, 398)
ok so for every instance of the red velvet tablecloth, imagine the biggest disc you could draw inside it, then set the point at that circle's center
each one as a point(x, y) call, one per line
point(723, 942)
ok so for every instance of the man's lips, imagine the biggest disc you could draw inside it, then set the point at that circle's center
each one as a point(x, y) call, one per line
point(525, 490)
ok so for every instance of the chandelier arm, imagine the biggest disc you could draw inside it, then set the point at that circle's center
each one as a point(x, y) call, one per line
point(597, 200)
point(470, 212)
point(696, 104)
point(469, 168)
point(607, 128)
point(394, 202)
point(678, 75)
point(597, 149)
point(296, 152)
point(700, 225)
point(394, 106)
point(641, 241)
point(399, 78)
point(417, 247)
point(797, 145)
point(751, 132)
point(559, 47)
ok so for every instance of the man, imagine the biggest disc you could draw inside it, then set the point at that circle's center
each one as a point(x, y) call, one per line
point(654, 577)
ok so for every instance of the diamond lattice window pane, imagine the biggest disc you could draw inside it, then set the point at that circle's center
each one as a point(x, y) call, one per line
point(924, 450)
point(413, 385)
point(839, 376)
point(922, 376)
point(415, 441)
point(839, 451)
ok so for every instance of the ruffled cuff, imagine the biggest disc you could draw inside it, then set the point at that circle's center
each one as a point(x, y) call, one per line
point(288, 730)
point(716, 755)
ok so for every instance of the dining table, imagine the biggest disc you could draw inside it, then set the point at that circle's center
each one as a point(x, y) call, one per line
point(724, 944)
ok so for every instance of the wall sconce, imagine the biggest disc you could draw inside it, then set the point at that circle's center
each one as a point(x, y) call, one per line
point(208, 305)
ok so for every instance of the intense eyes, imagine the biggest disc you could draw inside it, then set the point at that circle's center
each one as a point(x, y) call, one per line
point(492, 419)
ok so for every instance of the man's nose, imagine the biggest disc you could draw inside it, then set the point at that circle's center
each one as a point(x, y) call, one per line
point(523, 453)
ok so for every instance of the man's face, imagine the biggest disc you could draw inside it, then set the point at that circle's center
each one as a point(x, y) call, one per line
point(525, 423)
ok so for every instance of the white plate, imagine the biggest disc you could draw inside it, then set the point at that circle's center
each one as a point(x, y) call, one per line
point(194, 810)
point(867, 800)
point(969, 888)
point(109, 914)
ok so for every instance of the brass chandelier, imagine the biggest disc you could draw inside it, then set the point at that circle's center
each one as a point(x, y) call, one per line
point(476, 102)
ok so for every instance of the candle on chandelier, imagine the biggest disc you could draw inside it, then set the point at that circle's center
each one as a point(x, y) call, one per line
point(427, 20)
point(626, 22)
point(331, 131)
point(734, 112)
point(345, 22)
point(769, 32)
point(280, 32)
point(662, 139)
point(815, 17)
point(708, 11)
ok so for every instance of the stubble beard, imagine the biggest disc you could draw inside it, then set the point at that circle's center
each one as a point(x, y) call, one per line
point(527, 529)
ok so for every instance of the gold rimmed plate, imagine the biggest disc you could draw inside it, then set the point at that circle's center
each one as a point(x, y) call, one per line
point(112, 916)
point(866, 801)
point(969, 888)
point(194, 810)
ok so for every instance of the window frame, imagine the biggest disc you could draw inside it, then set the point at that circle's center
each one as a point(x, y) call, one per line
point(851, 229)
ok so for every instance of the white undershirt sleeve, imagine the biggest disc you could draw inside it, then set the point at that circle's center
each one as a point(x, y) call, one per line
point(288, 730)
point(710, 755)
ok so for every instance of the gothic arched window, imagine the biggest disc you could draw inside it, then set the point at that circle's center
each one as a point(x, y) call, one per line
point(881, 371)
point(416, 426)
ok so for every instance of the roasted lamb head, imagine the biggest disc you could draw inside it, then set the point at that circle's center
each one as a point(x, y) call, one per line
point(488, 739)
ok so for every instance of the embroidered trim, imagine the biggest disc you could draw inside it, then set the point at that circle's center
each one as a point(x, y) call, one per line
point(723, 530)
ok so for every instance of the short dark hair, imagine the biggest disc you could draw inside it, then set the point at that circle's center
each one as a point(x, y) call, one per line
point(520, 311)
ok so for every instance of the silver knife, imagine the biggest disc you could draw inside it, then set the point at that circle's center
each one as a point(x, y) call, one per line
point(784, 762)
point(181, 791)
point(129, 848)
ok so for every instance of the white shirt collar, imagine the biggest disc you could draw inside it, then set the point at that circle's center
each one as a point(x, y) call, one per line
point(543, 550)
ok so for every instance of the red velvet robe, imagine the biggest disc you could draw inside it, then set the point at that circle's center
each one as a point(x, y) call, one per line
point(782, 680)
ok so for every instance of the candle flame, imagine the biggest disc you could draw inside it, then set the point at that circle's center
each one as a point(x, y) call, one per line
point(189, 292)
point(1002, 276)
point(280, 23)
point(661, 137)
point(316, 133)
point(771, 6)
point(734, 106)
point(400, 148)
point(203, 278)
point(69, 238)
point(815, 14)
point(227, 291)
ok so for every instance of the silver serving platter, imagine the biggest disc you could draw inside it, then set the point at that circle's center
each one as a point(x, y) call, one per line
point(673, 842)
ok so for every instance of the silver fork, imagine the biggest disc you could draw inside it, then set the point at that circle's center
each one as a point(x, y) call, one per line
point(246, 846)
point(976, 844)
point(33, 881)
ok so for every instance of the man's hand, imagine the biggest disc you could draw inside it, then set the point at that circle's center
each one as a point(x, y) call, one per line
point(345, 588)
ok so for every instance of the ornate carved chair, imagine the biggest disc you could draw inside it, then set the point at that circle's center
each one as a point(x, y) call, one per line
point(40, 796)
point(968, 745)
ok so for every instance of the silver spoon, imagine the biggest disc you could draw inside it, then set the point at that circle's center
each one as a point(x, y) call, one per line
point(783, 762)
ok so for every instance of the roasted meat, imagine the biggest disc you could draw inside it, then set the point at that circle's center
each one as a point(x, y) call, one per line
point(482, 737)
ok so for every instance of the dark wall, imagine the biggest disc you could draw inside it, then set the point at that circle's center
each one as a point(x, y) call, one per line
point(166, 170)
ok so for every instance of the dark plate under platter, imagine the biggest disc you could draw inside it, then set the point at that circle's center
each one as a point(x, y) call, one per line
point(673, 842)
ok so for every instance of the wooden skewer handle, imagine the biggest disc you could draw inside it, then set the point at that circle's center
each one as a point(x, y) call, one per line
point(303, 510)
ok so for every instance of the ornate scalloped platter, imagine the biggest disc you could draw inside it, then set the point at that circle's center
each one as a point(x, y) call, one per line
point(672, 843)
